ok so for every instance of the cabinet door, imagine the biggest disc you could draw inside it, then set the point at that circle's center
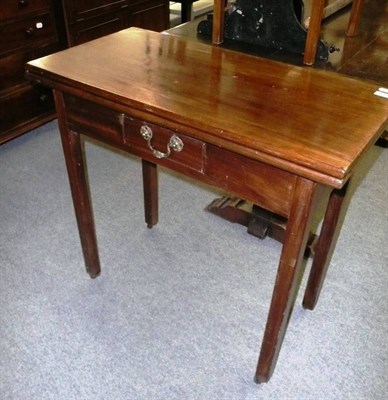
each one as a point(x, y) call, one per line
point(152, 15)
point(78, 10)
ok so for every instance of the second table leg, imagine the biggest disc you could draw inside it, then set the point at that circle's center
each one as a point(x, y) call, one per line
point(304, 202)
point(150, 190)
point(325, 247)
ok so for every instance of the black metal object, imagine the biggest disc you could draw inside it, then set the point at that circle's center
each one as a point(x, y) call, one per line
point(267, 23)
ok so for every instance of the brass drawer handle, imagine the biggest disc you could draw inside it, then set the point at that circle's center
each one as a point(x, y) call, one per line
point(175, 143)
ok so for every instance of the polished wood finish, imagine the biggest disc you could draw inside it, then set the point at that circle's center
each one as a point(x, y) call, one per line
point(362, 55)
point(239, 99)
point(272, 138)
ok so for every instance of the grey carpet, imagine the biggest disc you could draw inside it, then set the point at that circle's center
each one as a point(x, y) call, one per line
point(178, 311)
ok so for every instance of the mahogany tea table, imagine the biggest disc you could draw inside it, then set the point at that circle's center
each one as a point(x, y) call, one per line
point(280, 136)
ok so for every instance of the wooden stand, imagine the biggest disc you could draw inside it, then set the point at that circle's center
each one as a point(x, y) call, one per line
point(259, 222)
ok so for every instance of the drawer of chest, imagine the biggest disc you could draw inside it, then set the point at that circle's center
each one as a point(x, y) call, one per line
point(163, 146)
point(93, 28)
point(18, 8)
point(26, 33)
point(24, 106)
point(12, 65)
point(77, 10)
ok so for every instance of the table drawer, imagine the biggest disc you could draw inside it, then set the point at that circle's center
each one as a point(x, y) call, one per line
point(163, 146)
point(27, 33)
point(94, 120)
point(118, 129)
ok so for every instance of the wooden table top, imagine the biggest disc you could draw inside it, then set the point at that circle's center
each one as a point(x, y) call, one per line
point(312, 123)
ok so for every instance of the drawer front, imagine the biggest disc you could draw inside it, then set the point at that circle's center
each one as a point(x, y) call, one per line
point(151, 15)
point(252, 180)
point(12, 66)
point(93, 28)
point(163, 146)
point(18, 8)
point(24, 34)
point(24, 106)
point(78, 10)
point(94, 120)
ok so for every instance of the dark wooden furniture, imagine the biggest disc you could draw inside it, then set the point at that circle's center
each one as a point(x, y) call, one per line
point(28, 30)
point(33, 28)
point(293, 37)
point(271, 137)
point(273, 24)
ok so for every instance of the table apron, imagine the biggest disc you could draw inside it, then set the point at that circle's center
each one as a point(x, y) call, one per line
point(267, 186)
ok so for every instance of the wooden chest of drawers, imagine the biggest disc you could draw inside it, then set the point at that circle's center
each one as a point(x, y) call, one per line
point(30, 29)
point(27, 31)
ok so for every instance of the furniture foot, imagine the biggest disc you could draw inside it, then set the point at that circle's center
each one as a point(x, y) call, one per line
point(324, 248)
point(150, 190)
point(288, 276)
point(74, 157)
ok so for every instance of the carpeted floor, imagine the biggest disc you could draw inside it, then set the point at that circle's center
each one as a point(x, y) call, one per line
point(178, 311)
